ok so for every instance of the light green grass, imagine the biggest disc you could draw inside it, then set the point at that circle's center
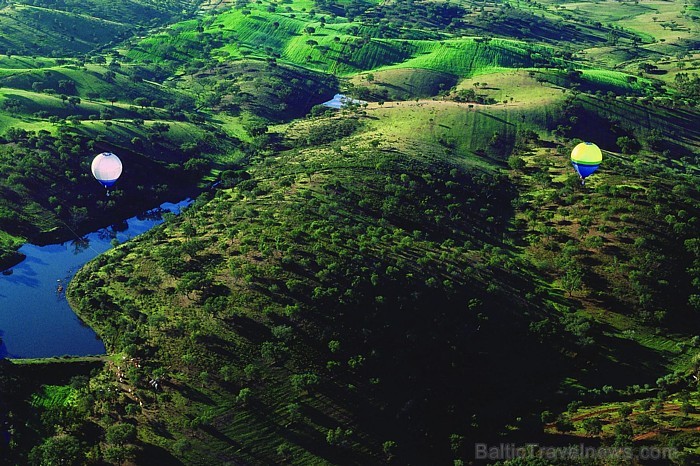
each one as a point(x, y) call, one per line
point(463, 132)
point(333, 49)
point(8, 239)
point(405, 83)
point(55, 396)
point(614, 80)
point(32, 102)
point(519, 85)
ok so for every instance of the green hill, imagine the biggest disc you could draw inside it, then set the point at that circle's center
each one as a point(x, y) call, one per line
point(38, 27)
point(307, 287)
point(340, 229)
point(390, 282)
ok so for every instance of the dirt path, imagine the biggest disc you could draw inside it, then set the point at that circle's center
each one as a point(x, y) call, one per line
point(445, 104)
point(653, 433)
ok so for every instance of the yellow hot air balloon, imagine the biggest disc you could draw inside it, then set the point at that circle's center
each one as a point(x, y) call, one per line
point(586, 158)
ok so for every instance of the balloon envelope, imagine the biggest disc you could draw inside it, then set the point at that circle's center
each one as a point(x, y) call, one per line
point(106, 168)
point(586, 158)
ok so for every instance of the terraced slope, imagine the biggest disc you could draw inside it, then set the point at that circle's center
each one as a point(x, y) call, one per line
point(54, 29)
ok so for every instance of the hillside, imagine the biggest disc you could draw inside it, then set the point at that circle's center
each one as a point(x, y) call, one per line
point(386, 283)
point(232, 304)
point(71, 28)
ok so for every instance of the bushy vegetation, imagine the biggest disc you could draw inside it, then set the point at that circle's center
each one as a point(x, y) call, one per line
point(386, 283)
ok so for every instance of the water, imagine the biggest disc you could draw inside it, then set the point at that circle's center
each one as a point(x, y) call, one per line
point(339, 101)
point(35, 318)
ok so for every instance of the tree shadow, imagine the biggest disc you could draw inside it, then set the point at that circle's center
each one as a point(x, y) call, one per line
point(154, 454)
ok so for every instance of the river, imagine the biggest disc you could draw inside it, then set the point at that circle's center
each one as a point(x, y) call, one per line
point(35, 318)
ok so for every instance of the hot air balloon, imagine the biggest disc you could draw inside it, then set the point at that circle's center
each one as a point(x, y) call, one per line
point(586, 158)
point(106, 168)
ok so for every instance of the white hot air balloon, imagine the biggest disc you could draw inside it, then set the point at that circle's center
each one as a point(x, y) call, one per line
point(106, 168)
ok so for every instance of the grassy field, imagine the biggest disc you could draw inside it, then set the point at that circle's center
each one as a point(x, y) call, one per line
point(329, 47)
point(55, 396)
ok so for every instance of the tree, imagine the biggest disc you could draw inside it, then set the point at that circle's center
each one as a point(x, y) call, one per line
point(119, 454)
point(303, 382)
point(192, 281)
point(60, 450)
point(12, 105)
point(120, 434)
point(687, 408)
point(228, 373)
point(389, 447)
point(244, 395)
point(625, 411)
point(647, 67)
point(593, 426)
point(645, 420)
point(73, 101)
point(623, 433)
point(627, 144)
point(142, 102)
point(572, 280)
point(159, 127)
point(516, 163)
point(257, 128)
point(563, 423)
point(294, 413)
point(66, 86)
point(334, 346)
point(338, 436)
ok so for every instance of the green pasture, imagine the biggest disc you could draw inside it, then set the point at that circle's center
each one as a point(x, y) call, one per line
point(331, 48)
point(24, 63)
point(405, 83)
point(54, 396)
point(462, 131)
point(32, 102)
point(124, 130)
point(69, 28)
point(662, 20)
point(518, 84)
point(608, 11)
point(615, 81)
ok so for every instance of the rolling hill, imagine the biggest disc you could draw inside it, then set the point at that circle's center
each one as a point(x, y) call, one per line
point(390, 282)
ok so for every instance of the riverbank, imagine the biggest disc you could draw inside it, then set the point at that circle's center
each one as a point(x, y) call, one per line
point(33, 296)
point(61, 360)
point(9, 259)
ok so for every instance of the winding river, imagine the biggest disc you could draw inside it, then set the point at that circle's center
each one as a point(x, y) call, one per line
point(35, 318)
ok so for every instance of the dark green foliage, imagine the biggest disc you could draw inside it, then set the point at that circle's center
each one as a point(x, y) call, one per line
point(273, 92)
point(74, 27)
point(351, 293)
point(120, 434)
point(328, 131)
point(49, 182)
point(593, 426)
point(61, 449)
